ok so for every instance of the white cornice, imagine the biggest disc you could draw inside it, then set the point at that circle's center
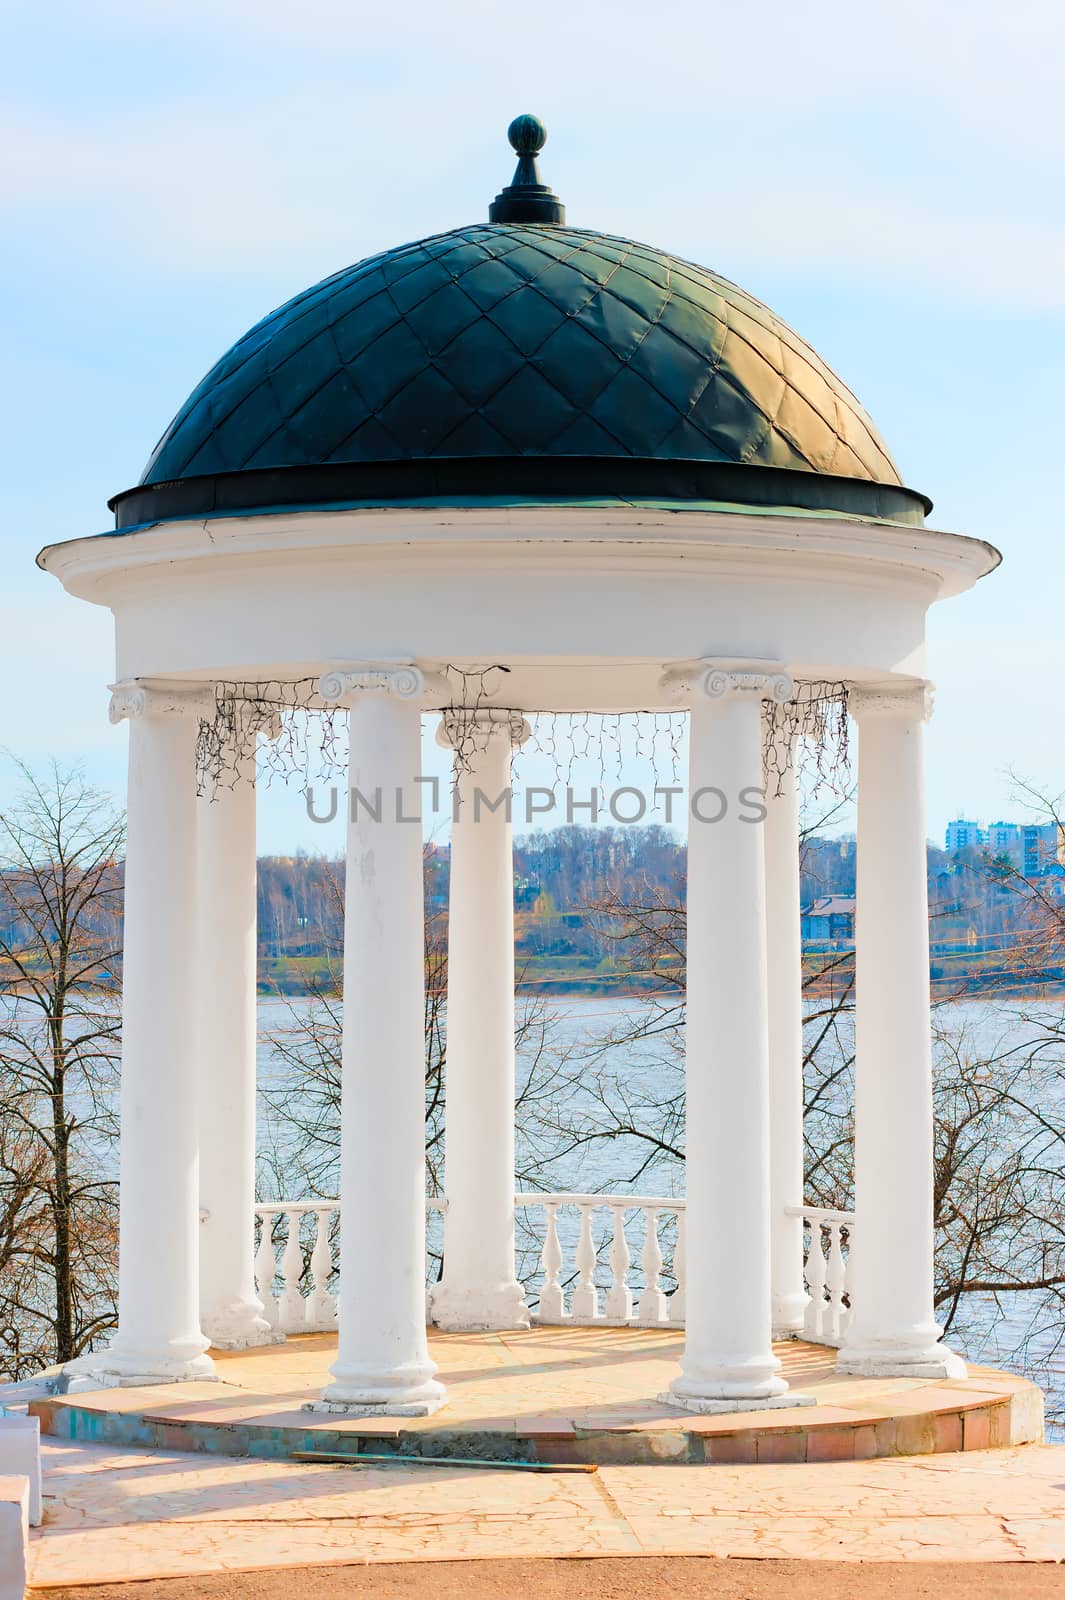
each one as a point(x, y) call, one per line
point(105, 567)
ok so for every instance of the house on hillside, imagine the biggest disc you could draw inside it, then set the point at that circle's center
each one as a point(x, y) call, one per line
point(829, 920)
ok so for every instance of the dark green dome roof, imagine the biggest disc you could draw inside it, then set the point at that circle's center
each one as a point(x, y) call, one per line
point(520, 358)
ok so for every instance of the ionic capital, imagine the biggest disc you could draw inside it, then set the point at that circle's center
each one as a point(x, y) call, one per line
point(139, 698)
point(470, 729)
point(691, 682)
point(345, 686)
point(910, 702)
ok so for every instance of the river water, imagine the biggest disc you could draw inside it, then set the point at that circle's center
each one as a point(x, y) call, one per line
point(576, 1080)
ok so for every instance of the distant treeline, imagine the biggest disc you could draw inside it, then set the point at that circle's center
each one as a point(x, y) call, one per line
point(560, 878)
point(980, 912)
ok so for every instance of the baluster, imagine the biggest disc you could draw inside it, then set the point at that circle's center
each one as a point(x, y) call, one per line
point(293, 1311)
point(652, 1299)
point(552, 1301)
point(848, 1310)
point(434, 1211)
point(320, 1305)
point(266, 1267)
point(815, 1282)
point(834, 1280)
point(618, 1297)
point(585, 1304)
point(677, 1308)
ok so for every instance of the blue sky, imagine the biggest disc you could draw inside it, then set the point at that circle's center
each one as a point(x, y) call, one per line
point(887, 177)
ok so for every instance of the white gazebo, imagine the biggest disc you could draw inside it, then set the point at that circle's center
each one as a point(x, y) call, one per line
point(628, 482)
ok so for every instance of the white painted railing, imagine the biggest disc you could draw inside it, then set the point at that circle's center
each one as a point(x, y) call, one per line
point(828, 1235)
point(593, 1284)
point(591, 1246)
point(295, 1263)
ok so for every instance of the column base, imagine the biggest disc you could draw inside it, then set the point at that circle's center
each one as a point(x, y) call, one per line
point(239, 1326)
point(117, 1368)
point(403, 1391)
point(710, 1407)
point(388, 1408)
point(906, 1350)
point(470, 1310)
point(754, 1381)
point(250, 1341)
point(900, 1361)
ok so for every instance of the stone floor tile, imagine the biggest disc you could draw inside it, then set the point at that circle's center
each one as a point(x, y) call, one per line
point(1038, 1538)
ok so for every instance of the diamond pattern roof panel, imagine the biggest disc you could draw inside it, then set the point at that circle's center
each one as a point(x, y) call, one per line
point(521, 340)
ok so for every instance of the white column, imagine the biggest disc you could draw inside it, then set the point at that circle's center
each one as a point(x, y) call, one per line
point(479, 1288)
point(784, 968)
point(893, 1328)
point(383, 1362)
point(231, 1312)
point(158, 1338)
point(728, 1361)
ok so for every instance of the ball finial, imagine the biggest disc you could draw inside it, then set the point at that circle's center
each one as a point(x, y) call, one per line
point(527, 198)
point(527, 135)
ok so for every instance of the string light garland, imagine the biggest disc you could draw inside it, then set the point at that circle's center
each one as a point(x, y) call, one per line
point(302, 737)
point(607, 740)
point(810, 733)
point(282, 729)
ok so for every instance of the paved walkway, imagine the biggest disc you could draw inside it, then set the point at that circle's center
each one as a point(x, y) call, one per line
point(114, 1515)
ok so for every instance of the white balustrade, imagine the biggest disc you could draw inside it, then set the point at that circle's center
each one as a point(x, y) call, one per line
point(604, 1264)
point(586, 1259)
point(830, 1235)
point(303, 1230)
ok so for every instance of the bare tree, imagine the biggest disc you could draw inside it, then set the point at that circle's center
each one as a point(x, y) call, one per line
point(999, 1109)
point(302, 1148)
point(60, 942)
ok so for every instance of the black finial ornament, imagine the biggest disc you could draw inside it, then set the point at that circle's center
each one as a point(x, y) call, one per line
point(526, 199)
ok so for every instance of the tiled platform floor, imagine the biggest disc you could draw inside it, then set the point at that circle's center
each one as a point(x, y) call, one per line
point(557, 1395)
point(114, 1515)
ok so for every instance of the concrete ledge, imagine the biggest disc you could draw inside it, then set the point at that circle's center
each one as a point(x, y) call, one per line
point(20, 1456)
point(14, 1536)
point(553, 1394)
point(943, 1422)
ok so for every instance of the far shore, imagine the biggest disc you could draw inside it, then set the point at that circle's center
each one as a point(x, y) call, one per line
point(584, 988)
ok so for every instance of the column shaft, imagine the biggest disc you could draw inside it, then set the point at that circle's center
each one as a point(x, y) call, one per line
point(382, 1359)
point(728, 1360)
point(231, 1312)
point(784, 968)
point(159, 1338)
point(479, 1288)
point(893, 1327)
